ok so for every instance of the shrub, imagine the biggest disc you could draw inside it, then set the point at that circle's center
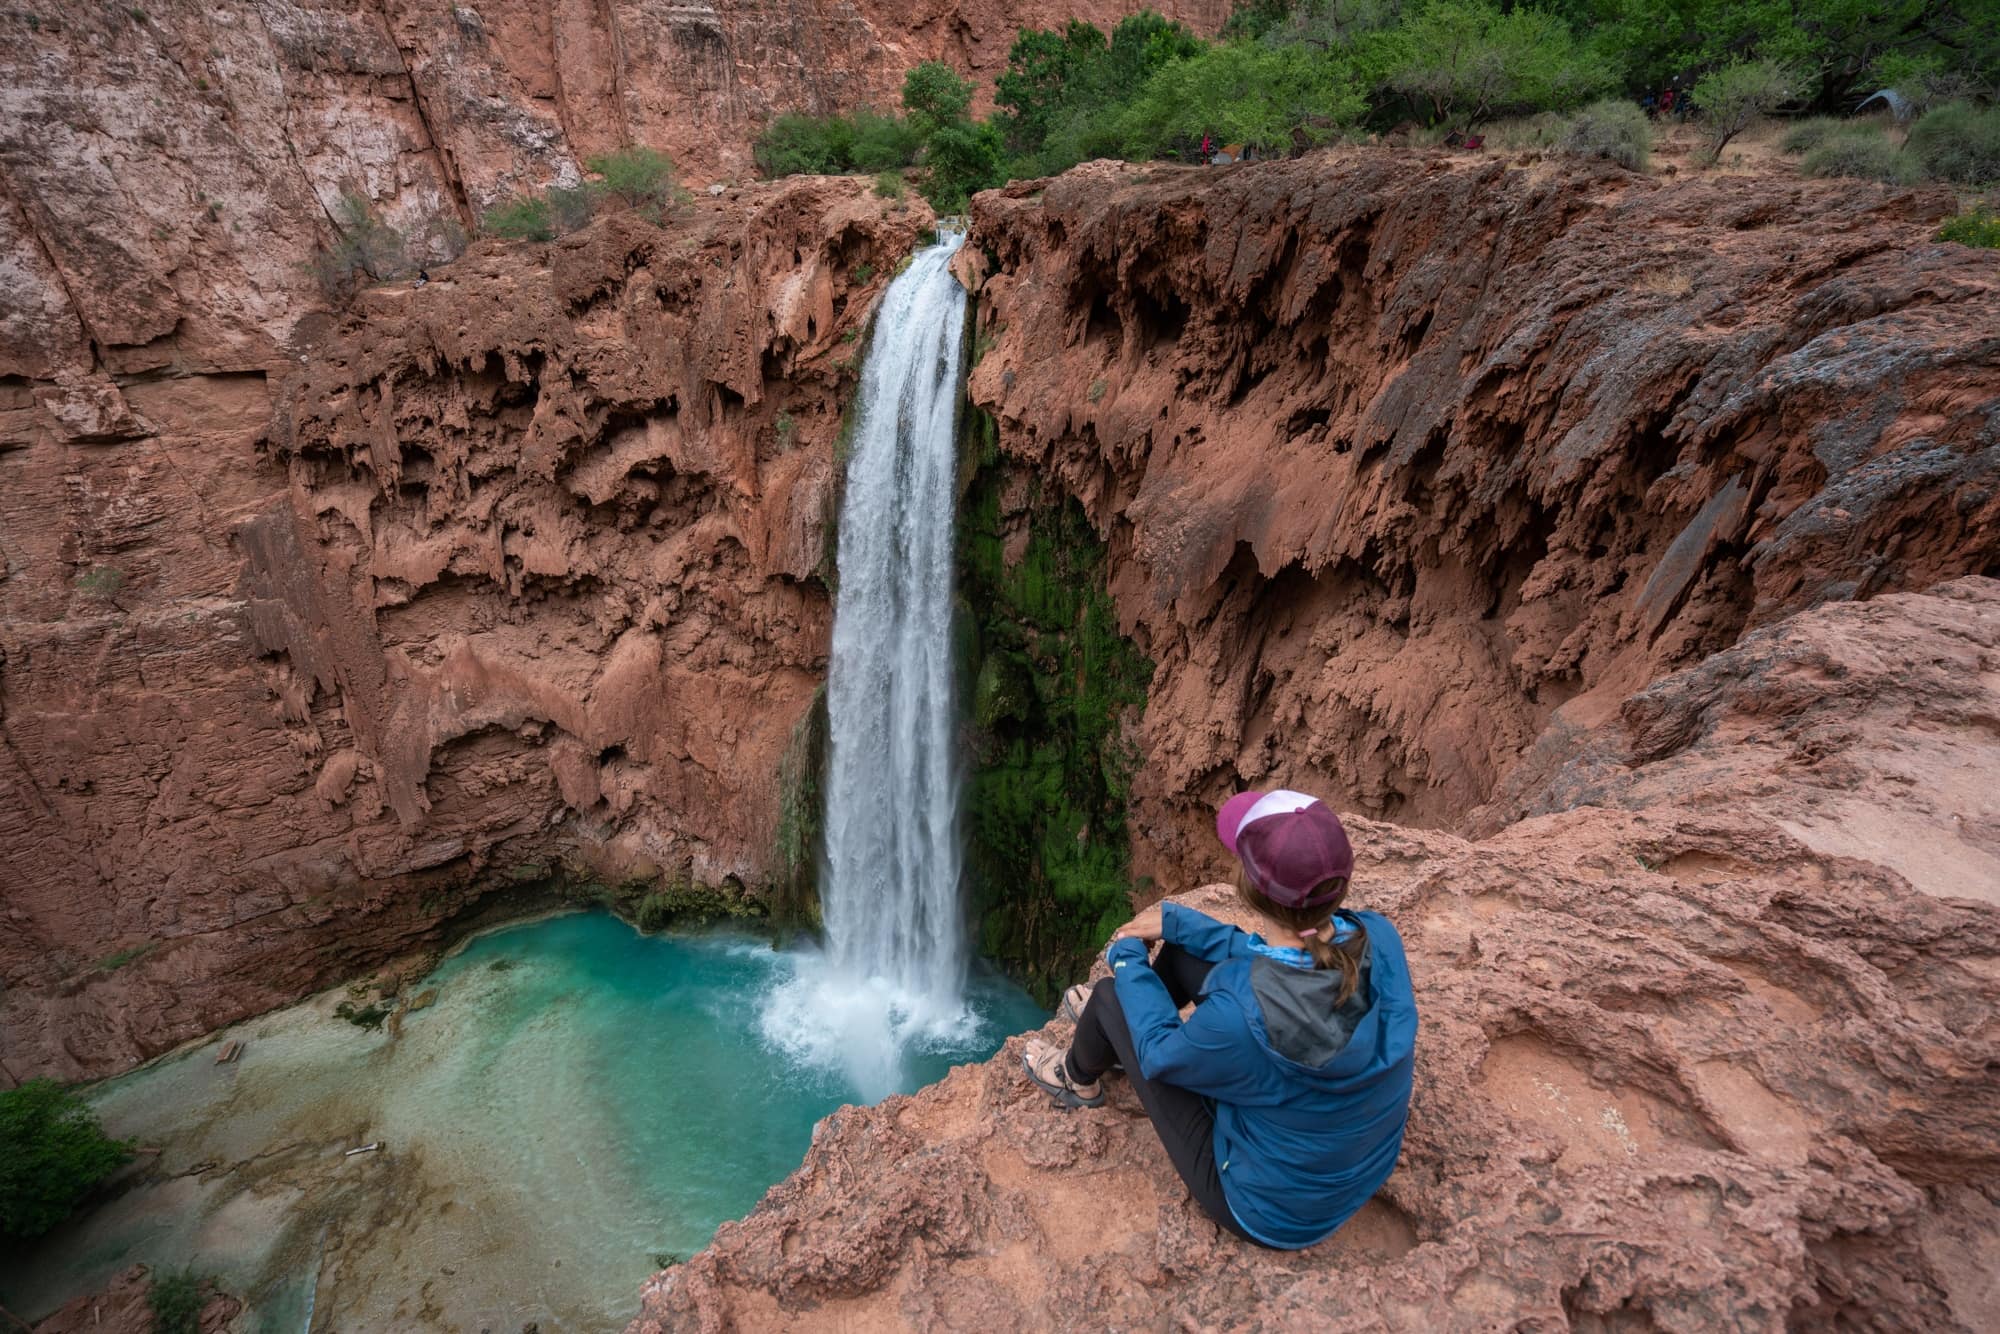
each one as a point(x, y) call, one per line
point(362, 1016)
point(1810, 133)
point(1976, 227)
point(570, 207)
point(889, 184)
point(52, 1151)
point(528, 218)
point(1611, 129)
point(795, 144)
point(102, 581)
point(177, 1300)
point(1959, 142)
point(1861, 153)
point(881, 142)
point(364, 249)
point(1544, 130)
point(636, 177)
point(799, 145)
point(1731, 99)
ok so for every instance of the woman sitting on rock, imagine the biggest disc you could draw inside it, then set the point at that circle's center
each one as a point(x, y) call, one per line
point(1281, 1099)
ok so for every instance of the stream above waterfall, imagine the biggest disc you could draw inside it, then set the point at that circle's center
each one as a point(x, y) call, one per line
point(579, 1104)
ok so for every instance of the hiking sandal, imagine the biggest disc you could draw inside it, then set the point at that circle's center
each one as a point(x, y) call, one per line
point(1074, 999)
point(1046, 1065)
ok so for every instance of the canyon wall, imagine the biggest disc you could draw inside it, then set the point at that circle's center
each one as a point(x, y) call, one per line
point(1679, 1067)
point(166, 170)
point(1406, 461)
point(517, 572)
point(1636, 529)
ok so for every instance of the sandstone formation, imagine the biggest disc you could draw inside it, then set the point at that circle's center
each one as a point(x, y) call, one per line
point(522, 573)
point(166, 170)
point(1404, 459)
point(1683, 1065)
point(1533, 499)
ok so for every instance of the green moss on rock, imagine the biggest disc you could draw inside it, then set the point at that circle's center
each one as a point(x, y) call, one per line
point(1053, 686)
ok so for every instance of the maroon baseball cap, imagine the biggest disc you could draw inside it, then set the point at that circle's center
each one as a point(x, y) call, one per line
point(1288, 842)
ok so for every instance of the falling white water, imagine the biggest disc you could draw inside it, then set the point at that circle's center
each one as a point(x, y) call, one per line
point(894, 968)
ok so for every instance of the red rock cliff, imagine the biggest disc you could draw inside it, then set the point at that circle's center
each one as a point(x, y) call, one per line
point(1606, 518)
point(521, 571)
point(1407, 461)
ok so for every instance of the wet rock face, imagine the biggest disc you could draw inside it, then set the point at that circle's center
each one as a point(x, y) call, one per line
point(519, 571)
point(1403, 459)
point(1684, 1062)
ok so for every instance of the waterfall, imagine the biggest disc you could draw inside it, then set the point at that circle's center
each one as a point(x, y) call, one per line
point(894, 969)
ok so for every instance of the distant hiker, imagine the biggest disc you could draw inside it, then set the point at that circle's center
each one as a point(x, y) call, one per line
point(1667, 102)
point(1650, 104)
point(1281, 1099)
point(1206, 140)
point(423, 276)
point(1475, 142)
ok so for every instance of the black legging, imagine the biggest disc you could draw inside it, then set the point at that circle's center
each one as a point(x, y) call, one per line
point(1184, 1119)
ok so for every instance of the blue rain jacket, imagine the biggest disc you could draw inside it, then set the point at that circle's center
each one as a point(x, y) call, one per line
point(1310, 1098)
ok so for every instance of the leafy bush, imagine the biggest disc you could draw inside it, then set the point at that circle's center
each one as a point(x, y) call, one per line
point(1975, 227)
point(889, 184)
point(528, 218)
point(52, 1151)
point(1959, 142)
point(882, 142)
point(1611, 129)
point(1862, 153)
point(1810, 133)
point(570, 207)
point(636, 177)
point(364, 249)
point(1732, 98)
point(795, 144)
point(177, 1300)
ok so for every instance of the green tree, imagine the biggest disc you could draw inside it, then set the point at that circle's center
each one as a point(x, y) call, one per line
point(1046, 73)
point(963, 159)
point(1731, 99)
point(1467, 61)
point(52, 1151)
point(934, 95)
point(1842, 49)
point(1272, 98)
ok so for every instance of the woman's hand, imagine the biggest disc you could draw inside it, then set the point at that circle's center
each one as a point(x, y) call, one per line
point(1145, 927)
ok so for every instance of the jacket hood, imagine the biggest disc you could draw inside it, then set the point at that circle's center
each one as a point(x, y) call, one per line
point(1298, 1023)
